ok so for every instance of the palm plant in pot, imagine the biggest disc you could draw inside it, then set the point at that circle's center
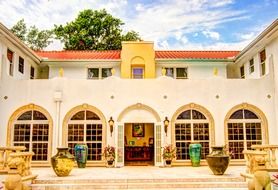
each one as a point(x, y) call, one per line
point(109, 155)
point(168, 154)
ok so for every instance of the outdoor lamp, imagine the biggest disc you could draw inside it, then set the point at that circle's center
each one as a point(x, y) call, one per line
point(166, 124)
point(111, 125)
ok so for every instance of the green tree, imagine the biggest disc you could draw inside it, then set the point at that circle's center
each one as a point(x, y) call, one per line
point(34, 38)
point(93, 30)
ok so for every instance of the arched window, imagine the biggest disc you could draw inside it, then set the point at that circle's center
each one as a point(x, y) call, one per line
point(31, 129)
point(244, 129)
point(86, 127)
point(191, 126)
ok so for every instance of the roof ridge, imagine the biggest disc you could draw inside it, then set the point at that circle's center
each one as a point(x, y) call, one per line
point(197, 50)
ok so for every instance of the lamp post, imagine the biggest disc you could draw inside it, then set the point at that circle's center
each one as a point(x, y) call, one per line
point(166, 124)
point(111, 125)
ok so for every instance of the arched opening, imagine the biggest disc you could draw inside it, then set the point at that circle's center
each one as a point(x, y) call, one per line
point(245, 126)
point(192, 123)
point(137, 132)
point(31, 126)
point(85, 124)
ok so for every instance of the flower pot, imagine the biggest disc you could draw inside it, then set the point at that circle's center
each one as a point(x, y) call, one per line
point(218, 160)
point(110, 163)
point(63, 162)
point(195, 154)
point(81, 153)
point(274, 186)
point(168, 163)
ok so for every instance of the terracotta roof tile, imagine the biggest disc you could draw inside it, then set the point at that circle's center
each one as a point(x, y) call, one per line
point(195, 54)
point(86, 54)
point(115, 54)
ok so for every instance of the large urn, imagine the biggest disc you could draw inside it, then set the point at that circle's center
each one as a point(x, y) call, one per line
point(63, 162)
point(218, 160)
point(81, 153)
point(195, 154)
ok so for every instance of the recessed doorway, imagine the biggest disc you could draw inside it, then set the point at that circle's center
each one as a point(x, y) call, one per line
point(139, 144)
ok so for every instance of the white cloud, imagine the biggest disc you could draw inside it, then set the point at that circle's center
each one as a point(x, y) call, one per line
point(211, 34)
point(247, 36)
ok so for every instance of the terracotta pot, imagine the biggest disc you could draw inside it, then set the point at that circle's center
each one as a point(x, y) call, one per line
point(168, 162)
point(218, 160)
point(63, 162)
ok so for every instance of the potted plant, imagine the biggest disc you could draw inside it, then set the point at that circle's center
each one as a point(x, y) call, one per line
point(275, 182)
point(168, 154)
point(109, 155)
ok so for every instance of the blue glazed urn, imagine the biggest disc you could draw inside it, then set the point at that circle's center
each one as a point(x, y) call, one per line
point(81, 153)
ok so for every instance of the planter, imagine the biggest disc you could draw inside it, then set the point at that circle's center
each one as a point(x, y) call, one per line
point(168, 163)
point(274, 186)
point(81, 153)
point(195, 154)
point(63, 162)
point(110, 163)
point(218, 160)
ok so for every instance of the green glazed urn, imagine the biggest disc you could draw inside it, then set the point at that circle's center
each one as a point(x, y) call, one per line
point(195, 154)
point(81, 153)
point(218, 160)
point(63, 162)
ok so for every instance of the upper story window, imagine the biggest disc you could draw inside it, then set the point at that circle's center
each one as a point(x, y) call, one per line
point(262, 62)
point(21, 65)
point(137, 72)
point(32, 73)
point(251, 66)
point(99, 73)
point(178, 73)
point(10, 56)
point(242, 74)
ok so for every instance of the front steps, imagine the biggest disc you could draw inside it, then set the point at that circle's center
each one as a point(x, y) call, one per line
point(178, 183)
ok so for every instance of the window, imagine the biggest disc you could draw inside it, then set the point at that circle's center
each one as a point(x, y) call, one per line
point(191, 126)
point(21, 65)
point(178, 73)
point(251, 66)
point(10, 56)
point(244, 130)
point(99, 73)
point(242, 74)
point(31, 129)
point(170, 72)
point(86, 127)
point(137, 72)
point(32, 73)
point(262, 61)
point(181, 73)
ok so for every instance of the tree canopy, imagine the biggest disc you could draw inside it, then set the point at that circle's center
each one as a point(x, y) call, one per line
point(93, 30)
point(34, 38)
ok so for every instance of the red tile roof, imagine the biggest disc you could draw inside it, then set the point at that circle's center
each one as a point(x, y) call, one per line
point(195, 54)
point(86, 54)
point(115, 54)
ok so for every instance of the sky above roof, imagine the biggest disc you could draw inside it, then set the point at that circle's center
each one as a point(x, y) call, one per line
point(171, 24)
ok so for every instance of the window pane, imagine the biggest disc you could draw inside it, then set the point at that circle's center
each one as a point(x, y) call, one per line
point(242, 74)
point(26, 116)
point(106, 72)
point(10, 55)
point(32, 73)
point(93, 73)
point(249, 115)
point(91, 116)
point(38, 116)
point(181, 73)
point(21, 65)
point(137, 73)
point(22, 132)
point(237, 115)
point(170, 72)
point(79, 116)
point(185, 115)
point(262, 56)
point(251, 66)
point(197, 115)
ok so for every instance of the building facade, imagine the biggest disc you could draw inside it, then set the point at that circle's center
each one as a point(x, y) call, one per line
point(125, 98)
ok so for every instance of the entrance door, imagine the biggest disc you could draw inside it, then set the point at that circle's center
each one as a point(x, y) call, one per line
point(139, 144)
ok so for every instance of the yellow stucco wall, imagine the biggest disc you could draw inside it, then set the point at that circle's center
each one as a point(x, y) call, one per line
point(137, 54)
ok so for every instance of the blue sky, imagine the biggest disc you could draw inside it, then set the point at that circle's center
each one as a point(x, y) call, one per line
point(171, 24)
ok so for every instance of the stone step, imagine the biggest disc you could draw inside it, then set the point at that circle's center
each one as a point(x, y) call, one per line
point(157, 180)
point(140, 185)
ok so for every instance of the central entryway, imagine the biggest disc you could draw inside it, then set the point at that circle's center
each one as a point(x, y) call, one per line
point(139, 144)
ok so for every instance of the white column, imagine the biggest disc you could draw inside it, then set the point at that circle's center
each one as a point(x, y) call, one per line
point(57, 129)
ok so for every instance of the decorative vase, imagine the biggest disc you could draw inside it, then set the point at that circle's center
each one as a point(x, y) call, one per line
point(81, 153)
point(195, 154)
point(218, 160)
point(63, 162)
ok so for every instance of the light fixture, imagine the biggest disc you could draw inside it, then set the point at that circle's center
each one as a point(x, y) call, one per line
point(111, 125)
point(166, 124)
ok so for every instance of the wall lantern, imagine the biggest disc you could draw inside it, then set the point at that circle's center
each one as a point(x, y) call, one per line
point(111, 125)
point(166, 124)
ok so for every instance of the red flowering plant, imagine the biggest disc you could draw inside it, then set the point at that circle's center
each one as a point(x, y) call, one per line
point(275, 181)
point(109, 153)
point(169, 152)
